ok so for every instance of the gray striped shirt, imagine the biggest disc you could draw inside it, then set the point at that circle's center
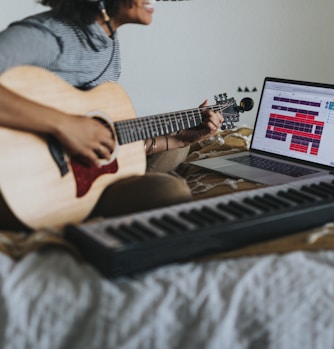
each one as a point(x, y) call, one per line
point(83, 58)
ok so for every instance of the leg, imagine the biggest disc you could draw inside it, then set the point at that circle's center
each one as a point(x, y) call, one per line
point(142, 193)
point(167, 161)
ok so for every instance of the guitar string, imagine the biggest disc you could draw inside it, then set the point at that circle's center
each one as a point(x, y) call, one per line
point(164, 123)
point(168, 118)
point(128, 132)
point(163, 120)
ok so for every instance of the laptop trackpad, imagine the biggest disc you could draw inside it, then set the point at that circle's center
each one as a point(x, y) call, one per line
point(241, 170)
point(255, 175)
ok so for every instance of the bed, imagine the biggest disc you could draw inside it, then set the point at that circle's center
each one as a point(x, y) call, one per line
point(275, 294)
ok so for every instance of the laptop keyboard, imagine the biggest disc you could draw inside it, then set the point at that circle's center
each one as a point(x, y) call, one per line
point(273, 166)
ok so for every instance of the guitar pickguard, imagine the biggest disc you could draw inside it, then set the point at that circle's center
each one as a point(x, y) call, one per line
point(85, 175)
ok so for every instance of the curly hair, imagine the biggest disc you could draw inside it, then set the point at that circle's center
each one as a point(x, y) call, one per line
point(83, 11)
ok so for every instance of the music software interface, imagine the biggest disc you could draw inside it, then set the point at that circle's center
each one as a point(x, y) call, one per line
point(296, 121)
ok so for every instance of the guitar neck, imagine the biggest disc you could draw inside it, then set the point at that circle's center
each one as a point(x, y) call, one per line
point(146, 127)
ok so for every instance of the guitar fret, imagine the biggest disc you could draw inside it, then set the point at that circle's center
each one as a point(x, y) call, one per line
point(160, 125)
point(197, 117)
point(147, 133)
point(142, 130)
point(182, 119)
point(167, 126)
point(177, 126)
point(128, 133)
point(172, 122)
point(155, 131)
point(188, 121)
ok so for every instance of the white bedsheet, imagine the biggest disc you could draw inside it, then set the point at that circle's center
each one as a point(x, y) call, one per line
point(50, 300)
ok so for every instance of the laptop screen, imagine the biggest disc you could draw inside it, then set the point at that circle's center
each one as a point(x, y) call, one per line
point(296, 120)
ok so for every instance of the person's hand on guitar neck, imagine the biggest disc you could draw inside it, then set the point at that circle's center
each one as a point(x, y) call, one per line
point(210, 126)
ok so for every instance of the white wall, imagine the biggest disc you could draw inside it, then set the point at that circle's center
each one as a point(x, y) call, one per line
point(196, 49)
point(15, 9)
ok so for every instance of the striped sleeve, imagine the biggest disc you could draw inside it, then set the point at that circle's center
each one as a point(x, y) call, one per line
point(19, 44)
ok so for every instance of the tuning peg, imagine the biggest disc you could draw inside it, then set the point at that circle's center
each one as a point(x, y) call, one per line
point(221, 98)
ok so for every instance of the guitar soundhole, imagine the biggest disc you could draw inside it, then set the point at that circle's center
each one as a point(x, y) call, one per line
point(105, 123)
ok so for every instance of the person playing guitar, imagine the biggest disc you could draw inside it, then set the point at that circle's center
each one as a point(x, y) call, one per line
point(77, 41)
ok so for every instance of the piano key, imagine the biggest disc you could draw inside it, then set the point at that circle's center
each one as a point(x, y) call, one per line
point(174, 222)
point(259, 204)
point(119, 235)
point(231, 210)
point(246, 211)
point(292, 196)
point(194, 218)
point(268, 201)
point(306, 197)
point(323, 189)
point(204, 215)
point(315, 191)
point(216, 215)
point(167, 225)
point(132, 232)
point(327, 186)
point(276, 199)
point(143, 231)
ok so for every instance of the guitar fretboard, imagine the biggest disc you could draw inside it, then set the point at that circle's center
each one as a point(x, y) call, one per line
point(146, 127)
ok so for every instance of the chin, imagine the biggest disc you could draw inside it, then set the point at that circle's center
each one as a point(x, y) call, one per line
point(146, 21)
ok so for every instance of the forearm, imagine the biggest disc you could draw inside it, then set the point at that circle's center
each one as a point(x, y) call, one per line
point(20, 113)
point(163, 143)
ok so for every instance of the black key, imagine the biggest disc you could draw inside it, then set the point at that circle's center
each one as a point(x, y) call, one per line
point(276, 199)
point(327, 186)
point(232, 210)
point(242, 208)
point(119, 235)
point(258, 204)
point(204, 215)
point(167, 224)
point(292, 196)
point(315, 191)
point(299, 193)
point(175, 222)
point(132, 232)
point(268, 201)
point(193, 218)
point(141, 228)
point(217, 216)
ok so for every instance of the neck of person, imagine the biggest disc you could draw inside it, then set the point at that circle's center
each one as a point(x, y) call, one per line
point(109, 29)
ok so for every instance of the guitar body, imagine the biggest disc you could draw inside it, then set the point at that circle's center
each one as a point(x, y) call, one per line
point(31, 182)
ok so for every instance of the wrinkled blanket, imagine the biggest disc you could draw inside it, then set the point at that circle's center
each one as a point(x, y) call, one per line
point(278, 294)
point(50, 300)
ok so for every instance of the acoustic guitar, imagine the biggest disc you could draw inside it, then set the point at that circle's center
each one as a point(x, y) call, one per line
point(45, 187)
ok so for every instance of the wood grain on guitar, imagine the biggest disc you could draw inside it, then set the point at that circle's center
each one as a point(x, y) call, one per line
point(45, 192)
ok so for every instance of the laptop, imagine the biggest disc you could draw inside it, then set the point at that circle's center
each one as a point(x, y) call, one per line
point(293, 136)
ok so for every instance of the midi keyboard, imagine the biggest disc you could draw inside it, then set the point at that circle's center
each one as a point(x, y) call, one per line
point(138, 242)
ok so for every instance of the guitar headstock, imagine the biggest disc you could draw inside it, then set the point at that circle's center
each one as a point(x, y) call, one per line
point(230, 110)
